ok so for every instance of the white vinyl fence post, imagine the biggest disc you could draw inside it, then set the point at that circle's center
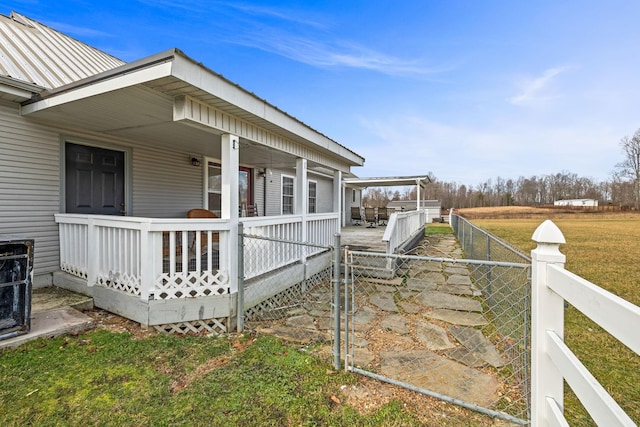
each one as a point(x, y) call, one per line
point(547, 314)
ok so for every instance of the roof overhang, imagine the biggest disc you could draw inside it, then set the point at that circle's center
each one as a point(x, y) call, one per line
point(17, 90)
point(169, 99)
point(421, 180)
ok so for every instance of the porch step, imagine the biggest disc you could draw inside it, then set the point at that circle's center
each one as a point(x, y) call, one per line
point(52, 297)
point(54, 311)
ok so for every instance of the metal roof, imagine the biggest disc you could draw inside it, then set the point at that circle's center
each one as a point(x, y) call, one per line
point(34, 53)
point(75, 75)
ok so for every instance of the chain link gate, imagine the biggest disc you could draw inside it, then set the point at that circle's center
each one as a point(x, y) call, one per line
point(450, 328)
point(288, 288)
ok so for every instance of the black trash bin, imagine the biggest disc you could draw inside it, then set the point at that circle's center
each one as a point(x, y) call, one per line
point(16, 275)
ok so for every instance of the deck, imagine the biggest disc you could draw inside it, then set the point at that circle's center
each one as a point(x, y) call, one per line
point(362, 238)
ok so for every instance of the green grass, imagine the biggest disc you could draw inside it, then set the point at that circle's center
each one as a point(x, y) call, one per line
point(438, 228)
point(606, 252)
point(103, 378)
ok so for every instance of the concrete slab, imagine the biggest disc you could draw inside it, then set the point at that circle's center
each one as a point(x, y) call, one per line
point(51, 323)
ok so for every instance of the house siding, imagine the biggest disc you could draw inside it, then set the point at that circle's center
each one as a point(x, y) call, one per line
point(324, 193)
point(30, 191)
point(165, 183)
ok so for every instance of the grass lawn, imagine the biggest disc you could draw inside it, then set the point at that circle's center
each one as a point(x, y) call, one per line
point(606, 251)
point(107, 378)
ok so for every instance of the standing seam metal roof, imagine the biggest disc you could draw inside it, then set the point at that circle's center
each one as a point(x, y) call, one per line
point(35, 53)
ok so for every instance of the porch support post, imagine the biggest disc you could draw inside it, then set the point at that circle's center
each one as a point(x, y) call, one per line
point(337, 196)
point(230, 162)
point(417, 194)
point(301, 199)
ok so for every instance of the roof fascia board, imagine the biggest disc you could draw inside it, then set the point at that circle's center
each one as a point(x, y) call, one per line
point(18, 88)
point(196, 74)
point(387, 182)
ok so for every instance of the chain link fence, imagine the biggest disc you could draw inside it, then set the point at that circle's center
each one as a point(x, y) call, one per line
point(429, 320)
point(452, 328)
point(293, 301)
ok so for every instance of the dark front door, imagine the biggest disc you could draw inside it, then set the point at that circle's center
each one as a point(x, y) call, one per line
point(94, 180)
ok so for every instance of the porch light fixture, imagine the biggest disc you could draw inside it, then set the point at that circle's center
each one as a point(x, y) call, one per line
point(195, 161)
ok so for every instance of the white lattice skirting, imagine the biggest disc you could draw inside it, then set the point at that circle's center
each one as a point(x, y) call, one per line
point(210, 326)
point(191, 285)
point(73, 270)
point(272, 308)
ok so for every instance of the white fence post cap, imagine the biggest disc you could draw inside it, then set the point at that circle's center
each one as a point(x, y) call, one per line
point(548, 232)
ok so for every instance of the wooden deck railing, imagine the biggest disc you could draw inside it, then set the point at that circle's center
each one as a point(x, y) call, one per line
point(552, 361)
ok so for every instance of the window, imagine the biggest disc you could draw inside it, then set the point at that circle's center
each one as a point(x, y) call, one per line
point(353, 195)
point(312, 196)
point(287, 195)
point(214, 187)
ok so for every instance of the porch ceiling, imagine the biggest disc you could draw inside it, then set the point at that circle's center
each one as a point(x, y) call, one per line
point(139, 106)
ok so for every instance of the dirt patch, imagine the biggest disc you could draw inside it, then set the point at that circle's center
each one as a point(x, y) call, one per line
point(369, 395)
point(114, 323)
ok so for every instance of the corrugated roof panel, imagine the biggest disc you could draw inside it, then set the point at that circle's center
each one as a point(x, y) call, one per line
point(35, 53)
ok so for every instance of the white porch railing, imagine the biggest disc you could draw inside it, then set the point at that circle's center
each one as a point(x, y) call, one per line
point(401, 227)
point(149, 257)
point(265, 255)
point(552, 361)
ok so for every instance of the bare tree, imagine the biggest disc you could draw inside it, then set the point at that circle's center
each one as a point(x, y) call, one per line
point(630, 166)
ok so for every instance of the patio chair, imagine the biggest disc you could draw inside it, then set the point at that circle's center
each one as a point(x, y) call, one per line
point(383, 216)
point(248, 210)
point(370, 217)
point(203, 213)
point(356, 215)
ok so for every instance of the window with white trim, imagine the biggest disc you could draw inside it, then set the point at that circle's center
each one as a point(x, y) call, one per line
point(287, 194)
point(313, 185)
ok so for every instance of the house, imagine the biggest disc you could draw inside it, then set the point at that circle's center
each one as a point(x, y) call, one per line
point(577, 202)
point(433, 207)
point(102, 160)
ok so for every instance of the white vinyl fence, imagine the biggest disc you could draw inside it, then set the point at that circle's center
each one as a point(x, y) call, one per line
point(552, 361)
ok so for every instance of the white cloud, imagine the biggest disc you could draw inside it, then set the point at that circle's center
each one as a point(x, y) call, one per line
point(538, 89)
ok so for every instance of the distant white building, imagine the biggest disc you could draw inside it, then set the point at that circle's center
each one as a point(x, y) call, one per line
point(577, 202)
point(433, 207)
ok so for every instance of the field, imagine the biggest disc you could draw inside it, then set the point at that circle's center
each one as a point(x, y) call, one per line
point(604, 248)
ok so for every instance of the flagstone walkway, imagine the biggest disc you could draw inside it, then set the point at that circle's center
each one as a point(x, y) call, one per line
point(423, 328)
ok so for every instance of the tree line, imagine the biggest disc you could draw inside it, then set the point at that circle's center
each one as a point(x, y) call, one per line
point(622, 189)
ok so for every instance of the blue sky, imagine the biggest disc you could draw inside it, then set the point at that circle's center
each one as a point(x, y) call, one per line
point(468, 90)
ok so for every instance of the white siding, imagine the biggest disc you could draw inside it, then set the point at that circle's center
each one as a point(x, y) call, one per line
point(165, 183)
point(30, 185)
point(324, 198)
point(274, 192)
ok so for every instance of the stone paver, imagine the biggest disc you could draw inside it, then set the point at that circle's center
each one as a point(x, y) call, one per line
point(443, 376)
point(420, 284)
point(396, 323)
point(437, 299)
point(459, 279)
point(409, 307)
point(434, 337)
point(457, 317)
point(458, 290)
point(475, 341)
point(384, 301)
